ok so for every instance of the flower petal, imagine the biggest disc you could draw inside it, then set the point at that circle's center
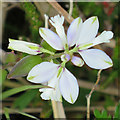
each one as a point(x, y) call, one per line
point(74, 31)
point(42, 72)
point(52, 93)
point(104, 37)
point(69, 86)
point(57, 21)
point(96, 58)
point(26, 47)
point(51, 38)
point(77, 61)
point(89, 30)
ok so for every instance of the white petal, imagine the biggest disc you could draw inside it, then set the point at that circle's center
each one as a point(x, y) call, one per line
point(77, 61)
point(104, 37)
point(52, 93)
point(57, 22)
point(89, 30)
point(51, 38)
point(74, 31)
point(69, 86)
point(96, 58)
point(22, 46)
point(42, 72)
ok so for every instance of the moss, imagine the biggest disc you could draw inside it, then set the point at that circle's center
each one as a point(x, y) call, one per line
point(32, 15)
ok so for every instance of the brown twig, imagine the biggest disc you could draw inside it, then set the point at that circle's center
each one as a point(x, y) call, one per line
point(89, 95)
point(98, 79)
point(60, 10)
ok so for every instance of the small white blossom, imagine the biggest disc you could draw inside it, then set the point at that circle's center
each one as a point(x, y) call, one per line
point(26, 47)
point(83, 35)
point(80, 34)
point(59, 78)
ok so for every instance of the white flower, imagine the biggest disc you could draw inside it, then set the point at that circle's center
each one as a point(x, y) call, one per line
point(59, 78)
point(83, 35)
point(80, 34)
point(26, 47)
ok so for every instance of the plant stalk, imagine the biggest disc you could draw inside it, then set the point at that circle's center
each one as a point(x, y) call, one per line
point(58, 110)
point(90, 94)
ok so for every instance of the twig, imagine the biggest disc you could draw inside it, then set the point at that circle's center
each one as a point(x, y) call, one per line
point(60, 10)
point(89, 95)
point(71, 9)
point(88, 106)
point(98, 79)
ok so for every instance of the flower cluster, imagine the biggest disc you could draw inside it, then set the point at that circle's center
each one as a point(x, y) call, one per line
point(80, 36)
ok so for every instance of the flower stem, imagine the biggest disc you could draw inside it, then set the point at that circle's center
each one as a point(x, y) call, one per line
point(89, 95)
point(57, 55)
point(58, 110)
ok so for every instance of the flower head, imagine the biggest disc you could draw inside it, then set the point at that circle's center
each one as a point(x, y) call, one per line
point(83, 36)
point(26, 47)
point(59, 78)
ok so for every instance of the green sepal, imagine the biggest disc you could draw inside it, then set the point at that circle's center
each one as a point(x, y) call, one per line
point(23, 67)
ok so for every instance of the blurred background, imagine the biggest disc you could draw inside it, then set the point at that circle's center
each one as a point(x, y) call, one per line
point(21, 21)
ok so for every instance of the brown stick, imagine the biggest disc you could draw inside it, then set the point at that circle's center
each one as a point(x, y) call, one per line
point(60, 10)
point(89, 95)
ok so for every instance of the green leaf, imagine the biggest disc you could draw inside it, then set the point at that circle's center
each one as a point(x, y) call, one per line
point(101, 115)
point(10, 57)
point(22, 113)
point(22, 101)
point(3, 75)
point(47, 46)
point(104, 114)
point(6, 114)
point(19, 89)
point(97, 113)
point(23, 67)
point(28, 115)
point(117, 111)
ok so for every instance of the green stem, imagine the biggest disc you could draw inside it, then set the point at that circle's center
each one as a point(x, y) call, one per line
point(53, 56)
point(75, 49)
point(46, 51)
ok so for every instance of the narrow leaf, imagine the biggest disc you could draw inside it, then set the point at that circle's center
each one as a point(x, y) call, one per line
point(22, 113)
point(3, 75)
point(19, 89)
point(6, 114)
point(104, 114)
point(24, 100)
point(97, 113)
point(24, 66)
point(117, 111)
